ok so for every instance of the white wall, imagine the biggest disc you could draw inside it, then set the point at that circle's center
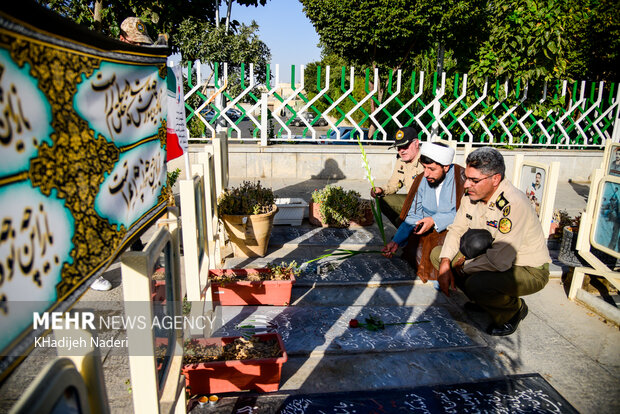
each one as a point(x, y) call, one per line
point(344, 161)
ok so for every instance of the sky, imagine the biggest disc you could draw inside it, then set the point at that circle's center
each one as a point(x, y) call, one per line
point(284, 28)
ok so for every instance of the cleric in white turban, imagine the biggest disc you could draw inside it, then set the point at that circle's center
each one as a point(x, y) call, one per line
point(435, 203)
point(438, 153)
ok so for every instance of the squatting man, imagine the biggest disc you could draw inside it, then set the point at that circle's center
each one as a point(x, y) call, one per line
point(517, 261)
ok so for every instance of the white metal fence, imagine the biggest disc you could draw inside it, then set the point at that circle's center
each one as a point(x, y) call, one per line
point(558, 114)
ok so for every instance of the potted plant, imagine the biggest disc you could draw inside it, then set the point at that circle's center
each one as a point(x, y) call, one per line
point(247, 212)
point(568, 245)
point(271, 285)
point(216, 365)
point(332, 206)
point(167, 192)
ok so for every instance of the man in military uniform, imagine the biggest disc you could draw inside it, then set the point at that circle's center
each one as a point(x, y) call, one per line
point(516, 263)
point(133, 30)
point(405, 171)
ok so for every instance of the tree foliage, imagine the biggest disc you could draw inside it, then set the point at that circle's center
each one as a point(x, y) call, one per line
point(593, 28)
point(526, 39)
point(518, 39)
point(159, 16)
point(390, 33)
point(202, 40)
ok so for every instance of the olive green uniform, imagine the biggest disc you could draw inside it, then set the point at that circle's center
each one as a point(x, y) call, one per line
point(403, 176)
point(516, 264)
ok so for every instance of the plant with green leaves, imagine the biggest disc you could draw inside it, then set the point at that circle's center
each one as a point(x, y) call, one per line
point(199, 39)
point(247, 199)
point(338, 207)
point(341, 254)
point(167, 192)
point(159, 16)
point(283, 271)
point(376, 207)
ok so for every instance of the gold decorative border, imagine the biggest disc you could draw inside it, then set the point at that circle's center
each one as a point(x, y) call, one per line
point(75, 164)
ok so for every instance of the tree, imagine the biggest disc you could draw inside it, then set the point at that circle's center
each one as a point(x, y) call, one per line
point(518, 39)
point(106, 16)
point(390, 33)
point(526, 40)
point(551, 39)
point(202, 40)
point(593, 31)
point(395, 34)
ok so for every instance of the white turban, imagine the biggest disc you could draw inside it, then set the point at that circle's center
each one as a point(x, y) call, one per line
point(439, 154)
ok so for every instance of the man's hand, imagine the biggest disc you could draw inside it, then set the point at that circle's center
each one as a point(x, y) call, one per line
point(457, 267)
point(376, 192)
point(427, 224)
point(389, 249)
point(445, 278)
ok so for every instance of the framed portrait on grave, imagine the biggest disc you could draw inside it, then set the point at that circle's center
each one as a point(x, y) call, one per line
point(605, 233)
point(533, 183)
point(612, 160)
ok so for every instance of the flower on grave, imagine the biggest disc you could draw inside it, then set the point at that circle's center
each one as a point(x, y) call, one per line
point(374, 324)
point(376, 207)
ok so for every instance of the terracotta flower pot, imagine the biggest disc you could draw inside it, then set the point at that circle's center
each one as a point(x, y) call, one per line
point(215, 377)
point(314, 217)
point(249, 234)
point(245, 292)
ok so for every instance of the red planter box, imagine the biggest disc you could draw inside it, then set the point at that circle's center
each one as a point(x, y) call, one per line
point(261, 375)
point(268, 292)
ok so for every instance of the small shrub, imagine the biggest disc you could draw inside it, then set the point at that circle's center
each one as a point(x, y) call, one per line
point(171, 179)
point(564, 219)
point(338, 207)
point(284, 270)
point(247, 199)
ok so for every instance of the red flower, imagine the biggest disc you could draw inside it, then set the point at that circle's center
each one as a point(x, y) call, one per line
point(353, 323)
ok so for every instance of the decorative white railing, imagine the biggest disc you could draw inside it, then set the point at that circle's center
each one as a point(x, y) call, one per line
point(558, 114)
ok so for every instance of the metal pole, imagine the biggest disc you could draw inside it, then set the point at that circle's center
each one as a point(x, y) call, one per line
point(263, 120)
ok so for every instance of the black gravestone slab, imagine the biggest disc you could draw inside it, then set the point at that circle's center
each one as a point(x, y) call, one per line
point(361, 269)
point(281, 236)
point(326, 329)
point(515, 394)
